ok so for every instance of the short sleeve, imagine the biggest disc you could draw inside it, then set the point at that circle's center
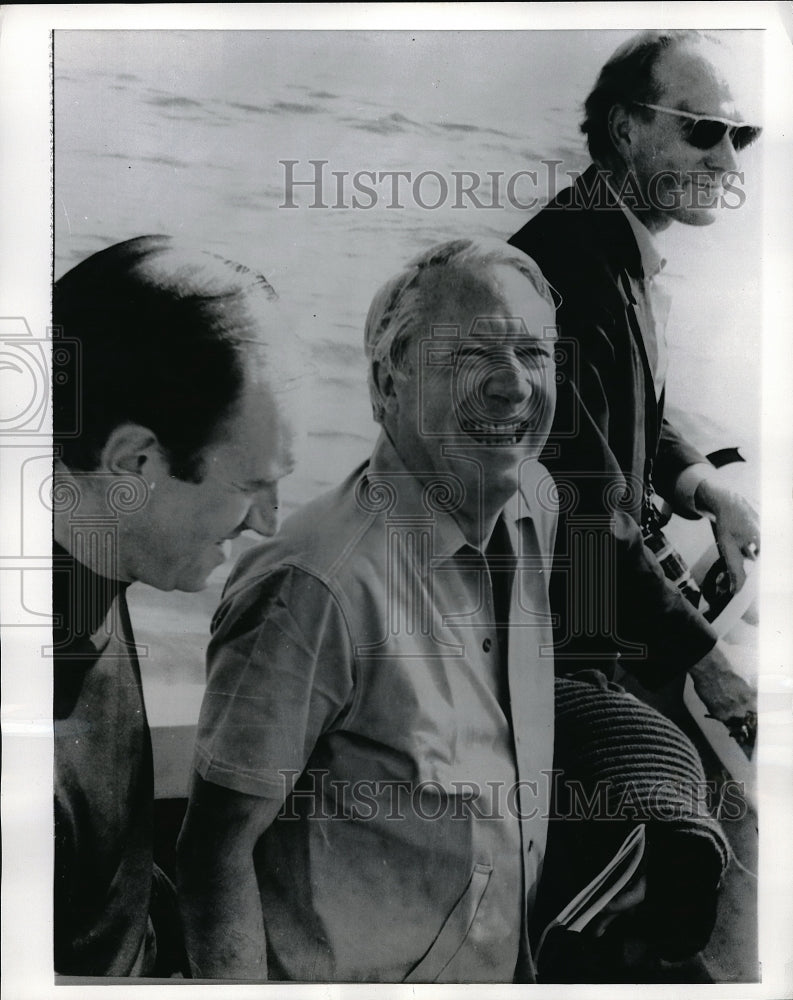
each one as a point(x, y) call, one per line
point(279, 675)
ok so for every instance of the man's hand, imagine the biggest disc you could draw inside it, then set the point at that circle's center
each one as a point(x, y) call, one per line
point(735, 527)
point(725, 694)
point(627, 899)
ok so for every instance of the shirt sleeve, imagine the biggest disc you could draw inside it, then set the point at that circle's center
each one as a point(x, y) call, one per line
point(675, 456)
point(279, 675)
point(686, 486)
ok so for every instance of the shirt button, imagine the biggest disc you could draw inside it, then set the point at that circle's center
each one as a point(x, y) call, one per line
point(487, 645)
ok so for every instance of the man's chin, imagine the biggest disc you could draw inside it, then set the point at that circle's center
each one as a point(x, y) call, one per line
point(202, 579)
point(697, 216)
point(192, 586)
point(502, 482)
point(700, 208)
point(208, 571)
point(191, 582)
point(185, 586)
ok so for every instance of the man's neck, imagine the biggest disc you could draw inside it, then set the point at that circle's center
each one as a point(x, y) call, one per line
point(93, 544)
point(478, 529)
point(98, 555)
point(475, 520)
point(620, 181)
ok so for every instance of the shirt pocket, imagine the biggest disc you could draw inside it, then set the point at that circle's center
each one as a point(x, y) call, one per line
point(455, 929)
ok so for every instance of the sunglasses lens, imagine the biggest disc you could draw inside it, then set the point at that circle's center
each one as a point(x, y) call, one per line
point(706, 133)
point(744, 136)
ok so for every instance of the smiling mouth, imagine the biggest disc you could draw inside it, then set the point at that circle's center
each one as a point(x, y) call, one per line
point(501, 433)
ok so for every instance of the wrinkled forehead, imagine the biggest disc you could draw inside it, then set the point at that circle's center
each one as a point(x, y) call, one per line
point(704, 77)
point(498, 303)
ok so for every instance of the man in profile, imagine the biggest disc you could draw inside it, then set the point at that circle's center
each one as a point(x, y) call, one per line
point(369, 801)
point(173, 445)
point(664, 133)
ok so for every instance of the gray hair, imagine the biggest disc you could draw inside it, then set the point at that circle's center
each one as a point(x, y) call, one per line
point(398, 308)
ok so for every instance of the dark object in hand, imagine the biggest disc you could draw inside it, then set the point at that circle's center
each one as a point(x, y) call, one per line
point(717, 589)
point(743, 729)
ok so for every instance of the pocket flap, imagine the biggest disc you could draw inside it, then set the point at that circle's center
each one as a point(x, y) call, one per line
point(456, 927)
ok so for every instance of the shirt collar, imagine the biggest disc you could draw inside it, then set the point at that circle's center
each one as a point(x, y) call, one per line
point(412, 498)
point(652, 261)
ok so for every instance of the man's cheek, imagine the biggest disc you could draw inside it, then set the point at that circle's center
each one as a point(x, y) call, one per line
point(435, 399)
point(542, 400)
point(437, 380)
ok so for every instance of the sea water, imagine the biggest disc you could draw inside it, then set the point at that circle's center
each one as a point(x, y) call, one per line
point(197, 134)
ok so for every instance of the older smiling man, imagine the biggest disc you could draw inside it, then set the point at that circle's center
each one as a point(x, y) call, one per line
point(369, 800)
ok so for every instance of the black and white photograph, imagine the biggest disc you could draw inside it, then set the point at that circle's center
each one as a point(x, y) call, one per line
point(395, 450)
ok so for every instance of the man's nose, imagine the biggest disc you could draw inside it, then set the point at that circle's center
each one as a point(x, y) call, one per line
point(723, 156)
point(262, 516)
point(508, 381)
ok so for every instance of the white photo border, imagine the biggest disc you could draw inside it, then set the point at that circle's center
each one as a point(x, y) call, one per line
point(25, 279)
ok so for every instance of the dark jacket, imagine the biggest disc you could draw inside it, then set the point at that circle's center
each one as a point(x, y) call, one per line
point(609, 443)
point(103, 781)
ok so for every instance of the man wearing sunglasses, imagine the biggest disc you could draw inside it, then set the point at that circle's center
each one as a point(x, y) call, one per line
point(665, 133)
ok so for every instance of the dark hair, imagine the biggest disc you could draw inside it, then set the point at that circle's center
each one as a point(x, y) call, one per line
point(627, 77)
point(162, 336)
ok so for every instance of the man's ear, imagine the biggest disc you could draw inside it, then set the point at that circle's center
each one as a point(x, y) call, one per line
point(384, 381)
point(132, 448)
point(621, 131)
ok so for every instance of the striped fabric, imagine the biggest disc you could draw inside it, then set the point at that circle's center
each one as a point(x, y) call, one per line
point(618, 763)
point(672, 563)
point(649, 769)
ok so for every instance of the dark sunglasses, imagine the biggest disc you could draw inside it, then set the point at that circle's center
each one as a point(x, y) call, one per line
point(705, 131)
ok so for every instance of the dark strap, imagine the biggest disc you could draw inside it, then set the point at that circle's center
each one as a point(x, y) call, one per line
point(672, 563)
point(501, 563)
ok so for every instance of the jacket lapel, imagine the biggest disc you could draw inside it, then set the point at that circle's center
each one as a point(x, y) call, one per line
point(618, 245)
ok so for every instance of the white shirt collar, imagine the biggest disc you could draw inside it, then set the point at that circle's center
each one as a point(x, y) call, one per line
point(652, 261)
